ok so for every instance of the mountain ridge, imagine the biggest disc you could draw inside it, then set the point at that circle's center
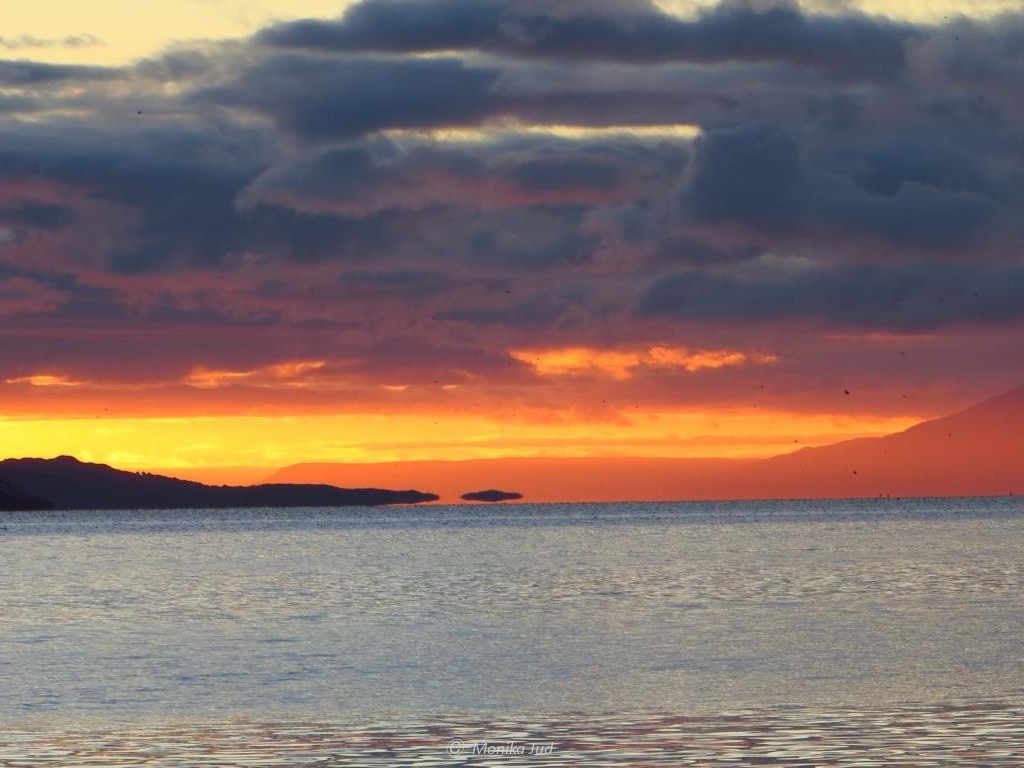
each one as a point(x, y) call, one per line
point(67, 483)
point(972, 452)
point(537, 479)
point(975, 451)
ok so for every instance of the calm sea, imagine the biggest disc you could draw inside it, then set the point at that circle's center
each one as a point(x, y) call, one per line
point(883, 632)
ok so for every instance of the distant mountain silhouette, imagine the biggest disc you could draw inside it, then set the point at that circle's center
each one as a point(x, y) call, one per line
point(66, 483)
point(539, 479)
point(491, 496)
point(976, 452)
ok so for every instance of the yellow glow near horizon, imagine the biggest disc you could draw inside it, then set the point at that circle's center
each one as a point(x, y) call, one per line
point(129, 31)
point(125, 32)
point(263, 441)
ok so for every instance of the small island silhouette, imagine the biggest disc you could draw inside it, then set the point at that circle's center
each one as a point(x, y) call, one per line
point(67, 483)
point(491, 496)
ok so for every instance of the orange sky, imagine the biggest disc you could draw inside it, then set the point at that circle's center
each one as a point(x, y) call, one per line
point(236, 236)
point(553, 401)
point(235, 425)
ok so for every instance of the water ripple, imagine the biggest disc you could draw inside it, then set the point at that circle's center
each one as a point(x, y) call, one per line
point(987, 734)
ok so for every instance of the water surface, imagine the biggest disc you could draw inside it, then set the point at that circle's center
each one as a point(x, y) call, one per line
point(563, 622)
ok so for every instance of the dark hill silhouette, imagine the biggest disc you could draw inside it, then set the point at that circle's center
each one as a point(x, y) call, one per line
point(12, 498)
point(67, 483)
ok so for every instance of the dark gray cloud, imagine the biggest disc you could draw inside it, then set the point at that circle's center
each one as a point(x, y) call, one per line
point(546, 309)
point(338, 99)
point(554, 174)
point(881, 164)
point(982, 55)
point(307, 238)
point(530, 238)
point(32, 215)
point(188, 215)
point(33, 73)
point(884, 165)
point(851, 45)
point(15, 104)
point(685, 249)
point(376, 175)
point(918, 191)
point(130, 159)
point(401, 282)
point(364, 178)
point(183, 65)
point(743, 172)
point(209, 233)
point(909, 296)
point(181, 180)
point(917, 215)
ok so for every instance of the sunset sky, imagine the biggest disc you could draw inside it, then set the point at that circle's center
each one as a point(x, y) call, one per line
point(257, 233)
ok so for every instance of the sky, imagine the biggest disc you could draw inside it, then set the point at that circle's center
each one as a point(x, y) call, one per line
point(258, 233)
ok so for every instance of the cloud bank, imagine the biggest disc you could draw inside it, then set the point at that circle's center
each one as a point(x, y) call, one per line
point(417, 189)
